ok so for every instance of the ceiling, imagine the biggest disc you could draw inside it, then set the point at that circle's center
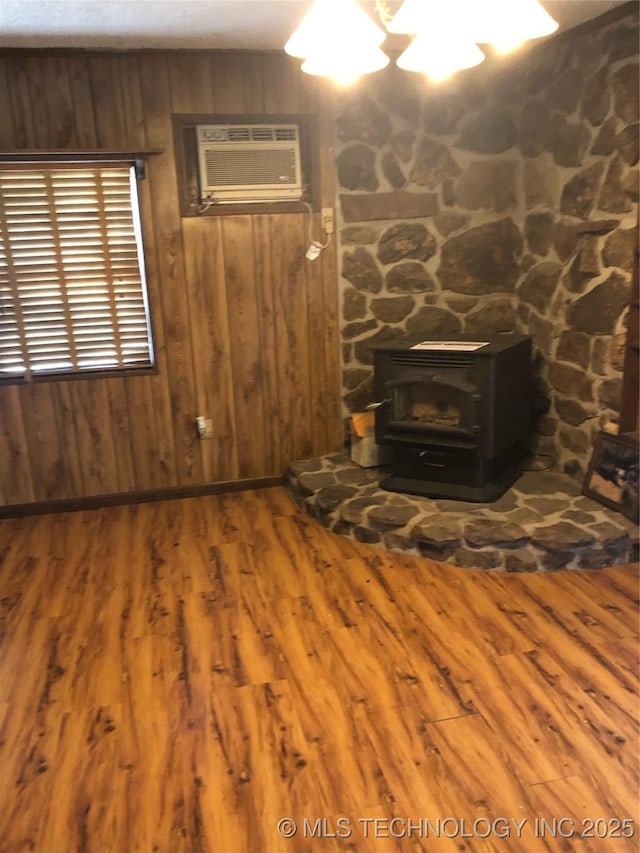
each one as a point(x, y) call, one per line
point(226, 24)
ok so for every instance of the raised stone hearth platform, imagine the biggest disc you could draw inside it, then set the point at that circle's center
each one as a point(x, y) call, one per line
point(543, 523)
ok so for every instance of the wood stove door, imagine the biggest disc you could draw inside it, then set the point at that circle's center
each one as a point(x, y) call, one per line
point(428, 403)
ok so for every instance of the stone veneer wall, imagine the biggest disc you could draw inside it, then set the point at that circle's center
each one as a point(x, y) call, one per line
point(505, 200)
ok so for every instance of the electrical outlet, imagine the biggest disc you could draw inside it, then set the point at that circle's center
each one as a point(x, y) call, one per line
point(328, 222)
point(204, 427)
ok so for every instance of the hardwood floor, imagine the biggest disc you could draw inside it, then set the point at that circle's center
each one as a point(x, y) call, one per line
point(181, 676)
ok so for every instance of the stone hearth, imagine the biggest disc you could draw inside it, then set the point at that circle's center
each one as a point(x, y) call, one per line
point(543, 523)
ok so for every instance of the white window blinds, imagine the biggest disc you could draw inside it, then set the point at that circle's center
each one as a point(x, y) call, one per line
point(72, 285)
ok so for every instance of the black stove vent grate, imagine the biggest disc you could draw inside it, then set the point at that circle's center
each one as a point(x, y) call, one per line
point(431, 359)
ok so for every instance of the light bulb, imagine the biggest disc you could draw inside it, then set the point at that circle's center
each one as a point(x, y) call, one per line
point(345, 63)
point(412, 17)
point(439, 55)
point(425, 16)
point(331, 19)
point(502, 23)
point(508, 23)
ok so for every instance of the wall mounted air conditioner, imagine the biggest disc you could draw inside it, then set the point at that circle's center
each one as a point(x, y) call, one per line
point(249, 162)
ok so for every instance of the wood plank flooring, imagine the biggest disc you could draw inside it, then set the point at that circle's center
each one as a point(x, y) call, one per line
point(182, 676)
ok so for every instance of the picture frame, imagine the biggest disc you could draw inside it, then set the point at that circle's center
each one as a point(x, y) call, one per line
point(612, 477)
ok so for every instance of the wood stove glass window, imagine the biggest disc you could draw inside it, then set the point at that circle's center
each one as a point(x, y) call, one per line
point(432, 404)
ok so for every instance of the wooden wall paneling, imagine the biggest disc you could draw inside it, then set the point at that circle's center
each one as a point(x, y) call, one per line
point(134, 127)
point(119, 415)
point(323, 305)
point(282, 84)
point(322, 280)
point(280, 357)
point(275, 461)
point(53, 103)
point(317, 97)
point(72, 473)
point(46, 455)
point(239, 341)
point(191, 86)
point(248, 361)
point(150, 396)
point(211, 345)
point(95, 442)
point(7, 130)
point(40, 407)
point(54, 127)
point(151, 453)
point(254, 84)
point(107, 101)
point(308, 279)
point(84, 133)
point(319, 389)
point(181, 83)
point(312, 103)
point(177, 368)
point(324, 100)
point(227, 80)
point(148, 400)
point(16, 480)
point(329, 280)
point(331, 328)
point(309, 91)
point(108, 104)
point(122, 429)
point(84, 112)
point(288, 242)
point(91, 417)
point(22, 110)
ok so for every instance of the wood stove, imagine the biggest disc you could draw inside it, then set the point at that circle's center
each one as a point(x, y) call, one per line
point(456, 412)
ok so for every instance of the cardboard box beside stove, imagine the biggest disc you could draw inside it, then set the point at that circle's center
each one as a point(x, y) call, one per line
point(364, 450)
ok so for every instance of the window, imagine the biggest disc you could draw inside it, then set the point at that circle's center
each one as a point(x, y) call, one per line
point(72, 283)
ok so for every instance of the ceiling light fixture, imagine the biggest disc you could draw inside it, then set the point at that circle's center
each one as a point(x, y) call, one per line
point(443, 41)
point(439, 57)
point(338, 39)
point(345, 66)
point(506, 24)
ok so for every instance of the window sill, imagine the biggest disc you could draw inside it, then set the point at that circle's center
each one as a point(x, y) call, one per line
point(87, 374)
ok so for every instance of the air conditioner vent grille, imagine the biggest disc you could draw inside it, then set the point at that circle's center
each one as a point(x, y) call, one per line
point(238, 134)
point(249, 162)
point(250, 168)
point(286, 134)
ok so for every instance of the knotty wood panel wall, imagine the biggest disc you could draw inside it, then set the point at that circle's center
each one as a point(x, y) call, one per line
point(245, 328)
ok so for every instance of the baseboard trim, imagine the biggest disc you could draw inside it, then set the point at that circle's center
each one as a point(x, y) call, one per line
point(148, 496)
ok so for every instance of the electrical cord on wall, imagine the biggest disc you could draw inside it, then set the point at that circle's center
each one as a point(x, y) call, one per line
point(204, 206)
point(315, 247)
